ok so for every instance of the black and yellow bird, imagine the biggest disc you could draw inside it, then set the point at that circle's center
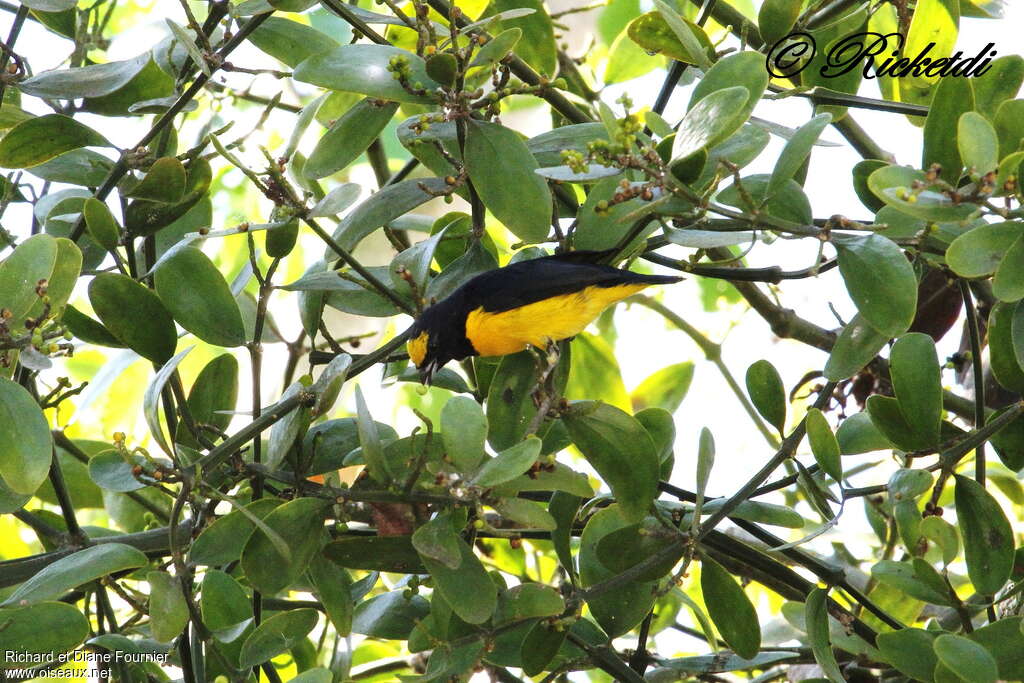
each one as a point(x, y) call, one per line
point(529, 303)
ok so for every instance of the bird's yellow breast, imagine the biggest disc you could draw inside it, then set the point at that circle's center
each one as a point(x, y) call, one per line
point(553, 319)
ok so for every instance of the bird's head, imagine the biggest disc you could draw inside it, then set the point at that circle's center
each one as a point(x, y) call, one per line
point(437, 336)
point(428, 351)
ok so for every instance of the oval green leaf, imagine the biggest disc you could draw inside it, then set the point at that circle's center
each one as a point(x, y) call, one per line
point(135, 315)
point(621, 451)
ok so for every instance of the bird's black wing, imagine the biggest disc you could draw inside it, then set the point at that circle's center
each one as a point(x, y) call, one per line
point(527, 282)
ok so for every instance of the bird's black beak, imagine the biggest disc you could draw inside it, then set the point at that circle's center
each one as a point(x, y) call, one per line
point(427, 372)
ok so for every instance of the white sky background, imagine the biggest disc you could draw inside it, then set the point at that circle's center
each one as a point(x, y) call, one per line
point(645, 342)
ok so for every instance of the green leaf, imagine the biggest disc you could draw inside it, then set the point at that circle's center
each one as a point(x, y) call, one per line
point(226, 607)
point(880, 280)
point(100, 224)
point(624, 548)
point(686, 33)
point(467, 588)
point(1000, 82)
point(776, 19)
point(509, 406)
point(665, 388)
point(497, 47)
point(767, 393)
point(934, 26)
point(887, 416)
point(75, 570)
point(1002, 640)
point(300, 523)
point(953, 98)
point(730, 609)
point(222, 542)
point(1008, 283)
point(437, 540)
point(710, 121)
point(540, 646)
point(525, 513)
point(109, 470)
point(289, 41)
point(212, 397)
point(904, 577)
point(45, 629)
point(528, 601)
point(547, 147)
point(183, 38)
point(332, 586)
point(1017, 334)
point(40, 139)
point(652, 33)
point(1005, 366)
point(1009, 167)
point(538, 47)
point(286, 430)
point(944, 535)
point(276, 635)
point(508, 464)
point(391, 616)
point(910, 651)
point(858, 434)
point(164, 182)
point(861, 171)
point(151, 399)
point(895, 185)
point(796, 151)
point(978, 144)
point(906, 483)
point(122, 304)
point(349, 137)
point(621, 451)
point(26, 445)
point(789, 202)
point(144, 217)
point(370, 441)
point(502, 170)
point(376, 553)
point(917, 382)
point(31, 261)
point(464, 432)
point(563, 508)
point(383, 207)
point(824, 444)
point(816, 616)
point(167, 608)
point(619, 610)
point(988, 538)
point(150, 91)
point(78, 167)
point(762, 513)
point(744, 68)
point(199, 298)
point(1009, 128)
point(978, 252)
point(363, 69)
point(966, 658)
point(94, 80)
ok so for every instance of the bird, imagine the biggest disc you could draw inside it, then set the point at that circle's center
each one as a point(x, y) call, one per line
point(529, 303)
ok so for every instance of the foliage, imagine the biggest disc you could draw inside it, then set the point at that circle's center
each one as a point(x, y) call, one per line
point(527, 526)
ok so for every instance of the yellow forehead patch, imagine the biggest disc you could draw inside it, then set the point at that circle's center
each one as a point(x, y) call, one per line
point(417, 348)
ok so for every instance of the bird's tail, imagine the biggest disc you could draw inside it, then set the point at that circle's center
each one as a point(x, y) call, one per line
point(656, 279)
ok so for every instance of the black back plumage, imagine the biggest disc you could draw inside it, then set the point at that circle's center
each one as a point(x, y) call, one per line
point(515, 285)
